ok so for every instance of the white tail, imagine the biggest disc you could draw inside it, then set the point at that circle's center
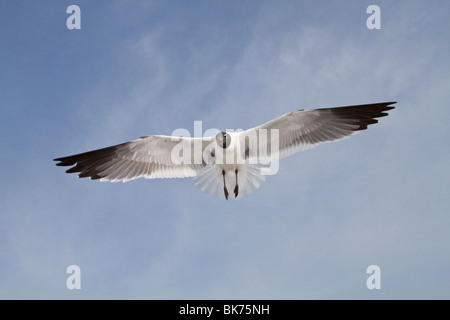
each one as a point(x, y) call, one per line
point(210, 180)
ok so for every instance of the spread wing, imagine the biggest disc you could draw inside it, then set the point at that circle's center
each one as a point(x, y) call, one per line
point(303, 129)
point(150, 157)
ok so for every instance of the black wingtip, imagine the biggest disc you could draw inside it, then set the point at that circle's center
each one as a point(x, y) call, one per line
point(364, 114)
point(389, 105)
point(63, 162)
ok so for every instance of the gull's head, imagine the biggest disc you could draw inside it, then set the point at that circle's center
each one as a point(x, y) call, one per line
point(223, 139)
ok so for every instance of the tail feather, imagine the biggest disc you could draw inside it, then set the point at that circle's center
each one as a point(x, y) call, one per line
point(210, 180)
point(250, 179)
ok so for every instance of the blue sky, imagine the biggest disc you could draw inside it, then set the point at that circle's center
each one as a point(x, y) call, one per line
point(137, 68)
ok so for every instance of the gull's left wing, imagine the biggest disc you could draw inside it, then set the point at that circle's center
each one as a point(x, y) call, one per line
point(302, 129)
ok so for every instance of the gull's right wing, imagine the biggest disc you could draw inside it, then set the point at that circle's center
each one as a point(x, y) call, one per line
point(149, 157)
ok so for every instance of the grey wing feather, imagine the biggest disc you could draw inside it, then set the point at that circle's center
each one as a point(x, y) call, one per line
point(303, 129)
point(148, 157)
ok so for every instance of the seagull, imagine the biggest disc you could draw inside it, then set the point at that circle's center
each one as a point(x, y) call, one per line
point(229, 160)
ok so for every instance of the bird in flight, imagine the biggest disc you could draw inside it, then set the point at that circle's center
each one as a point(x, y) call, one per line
point(230, 160)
